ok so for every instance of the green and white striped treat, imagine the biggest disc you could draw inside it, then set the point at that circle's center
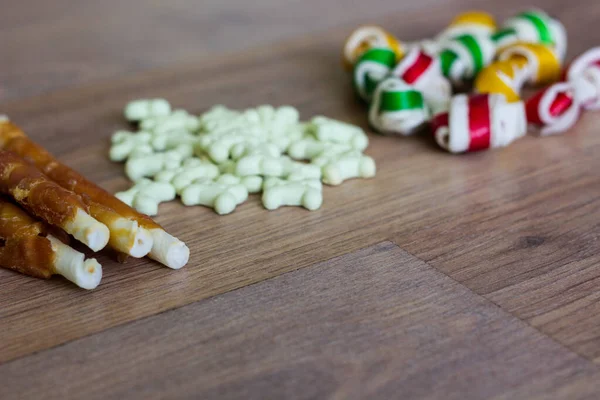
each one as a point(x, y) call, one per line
point(370, 69)
point(464, 56)
point(533, 27)
point(397, 108)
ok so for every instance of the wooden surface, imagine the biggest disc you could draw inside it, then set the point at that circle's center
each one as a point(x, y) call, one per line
point(52, 44)
point(514, 233)
point(374, 323)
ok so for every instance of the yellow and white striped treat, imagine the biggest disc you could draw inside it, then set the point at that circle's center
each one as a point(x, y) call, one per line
point(370, 37)
point(469, 23)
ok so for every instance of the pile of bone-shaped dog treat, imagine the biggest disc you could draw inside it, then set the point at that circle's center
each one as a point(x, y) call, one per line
point(218, 158)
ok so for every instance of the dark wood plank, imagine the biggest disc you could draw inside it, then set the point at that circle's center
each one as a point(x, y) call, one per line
point(525, 234)
point(49, 45)
point(63, 43)
point(516, 225)
point(377, 323)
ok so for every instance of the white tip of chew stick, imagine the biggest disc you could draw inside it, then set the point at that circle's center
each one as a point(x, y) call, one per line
point(88, 230)
point(4, 118)
point(90, 275)
point(130, 238)
point(168, 250)
point(142, 243)
point(71, 264)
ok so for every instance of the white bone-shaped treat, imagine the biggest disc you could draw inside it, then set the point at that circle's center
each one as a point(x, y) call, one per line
point(262, 159)
point(275, 119)
point(190, 173)
point(144, 165)
point(261, 164)
point(231, 134)
point(146, 195)
point(239, 124)
point(147, 108)
point(171, 139)
point(340, 167)
point(283, 137)
point(223, 198)
point(279, 124)
point(220, 117)
point(219, 146)
point(297, 171)
point(245, 149)
point(190, 170)
point(178, 120)
point(124, 143)
point(278, 192)
point(265, 164)
point(228, 167)
point(330, 130)
point(167, 175)
point(309, 148)
point(141, 151)
point(185, 150)
point(252, 183)
point(293, 134)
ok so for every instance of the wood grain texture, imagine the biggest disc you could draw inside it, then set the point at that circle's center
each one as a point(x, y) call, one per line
point(518, 225)
point(96, 40)
point(376, 323)
point(99, 40)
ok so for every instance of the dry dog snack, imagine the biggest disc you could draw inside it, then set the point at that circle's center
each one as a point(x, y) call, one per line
point(305, 193)
point(409, 86)
point(131, 232)
point(219, 157)
point(146, 195)
point(38, 194)
point(145, 109)
point(222, 197)
point(30, 248)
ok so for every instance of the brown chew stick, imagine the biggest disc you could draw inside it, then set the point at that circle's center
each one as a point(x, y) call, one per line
point(13, 139)
point(28, 250)
point(126, 234)
point(49, 201)
point(165, 248)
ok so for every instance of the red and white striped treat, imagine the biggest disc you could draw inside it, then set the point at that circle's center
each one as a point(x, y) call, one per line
point(557, 108)
point(588, 66)
point(423, 72)
point(479, 122)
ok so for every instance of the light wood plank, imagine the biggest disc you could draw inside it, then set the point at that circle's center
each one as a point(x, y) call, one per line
point(376, 323)
point(516, 225)
point(94, 40)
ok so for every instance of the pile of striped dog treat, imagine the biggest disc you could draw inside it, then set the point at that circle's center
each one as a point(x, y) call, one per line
point(218, 158)
point(409, 86)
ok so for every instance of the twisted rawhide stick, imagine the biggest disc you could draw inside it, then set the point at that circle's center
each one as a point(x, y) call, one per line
point(30, 249)
point(49, 201)
point(131, 232)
